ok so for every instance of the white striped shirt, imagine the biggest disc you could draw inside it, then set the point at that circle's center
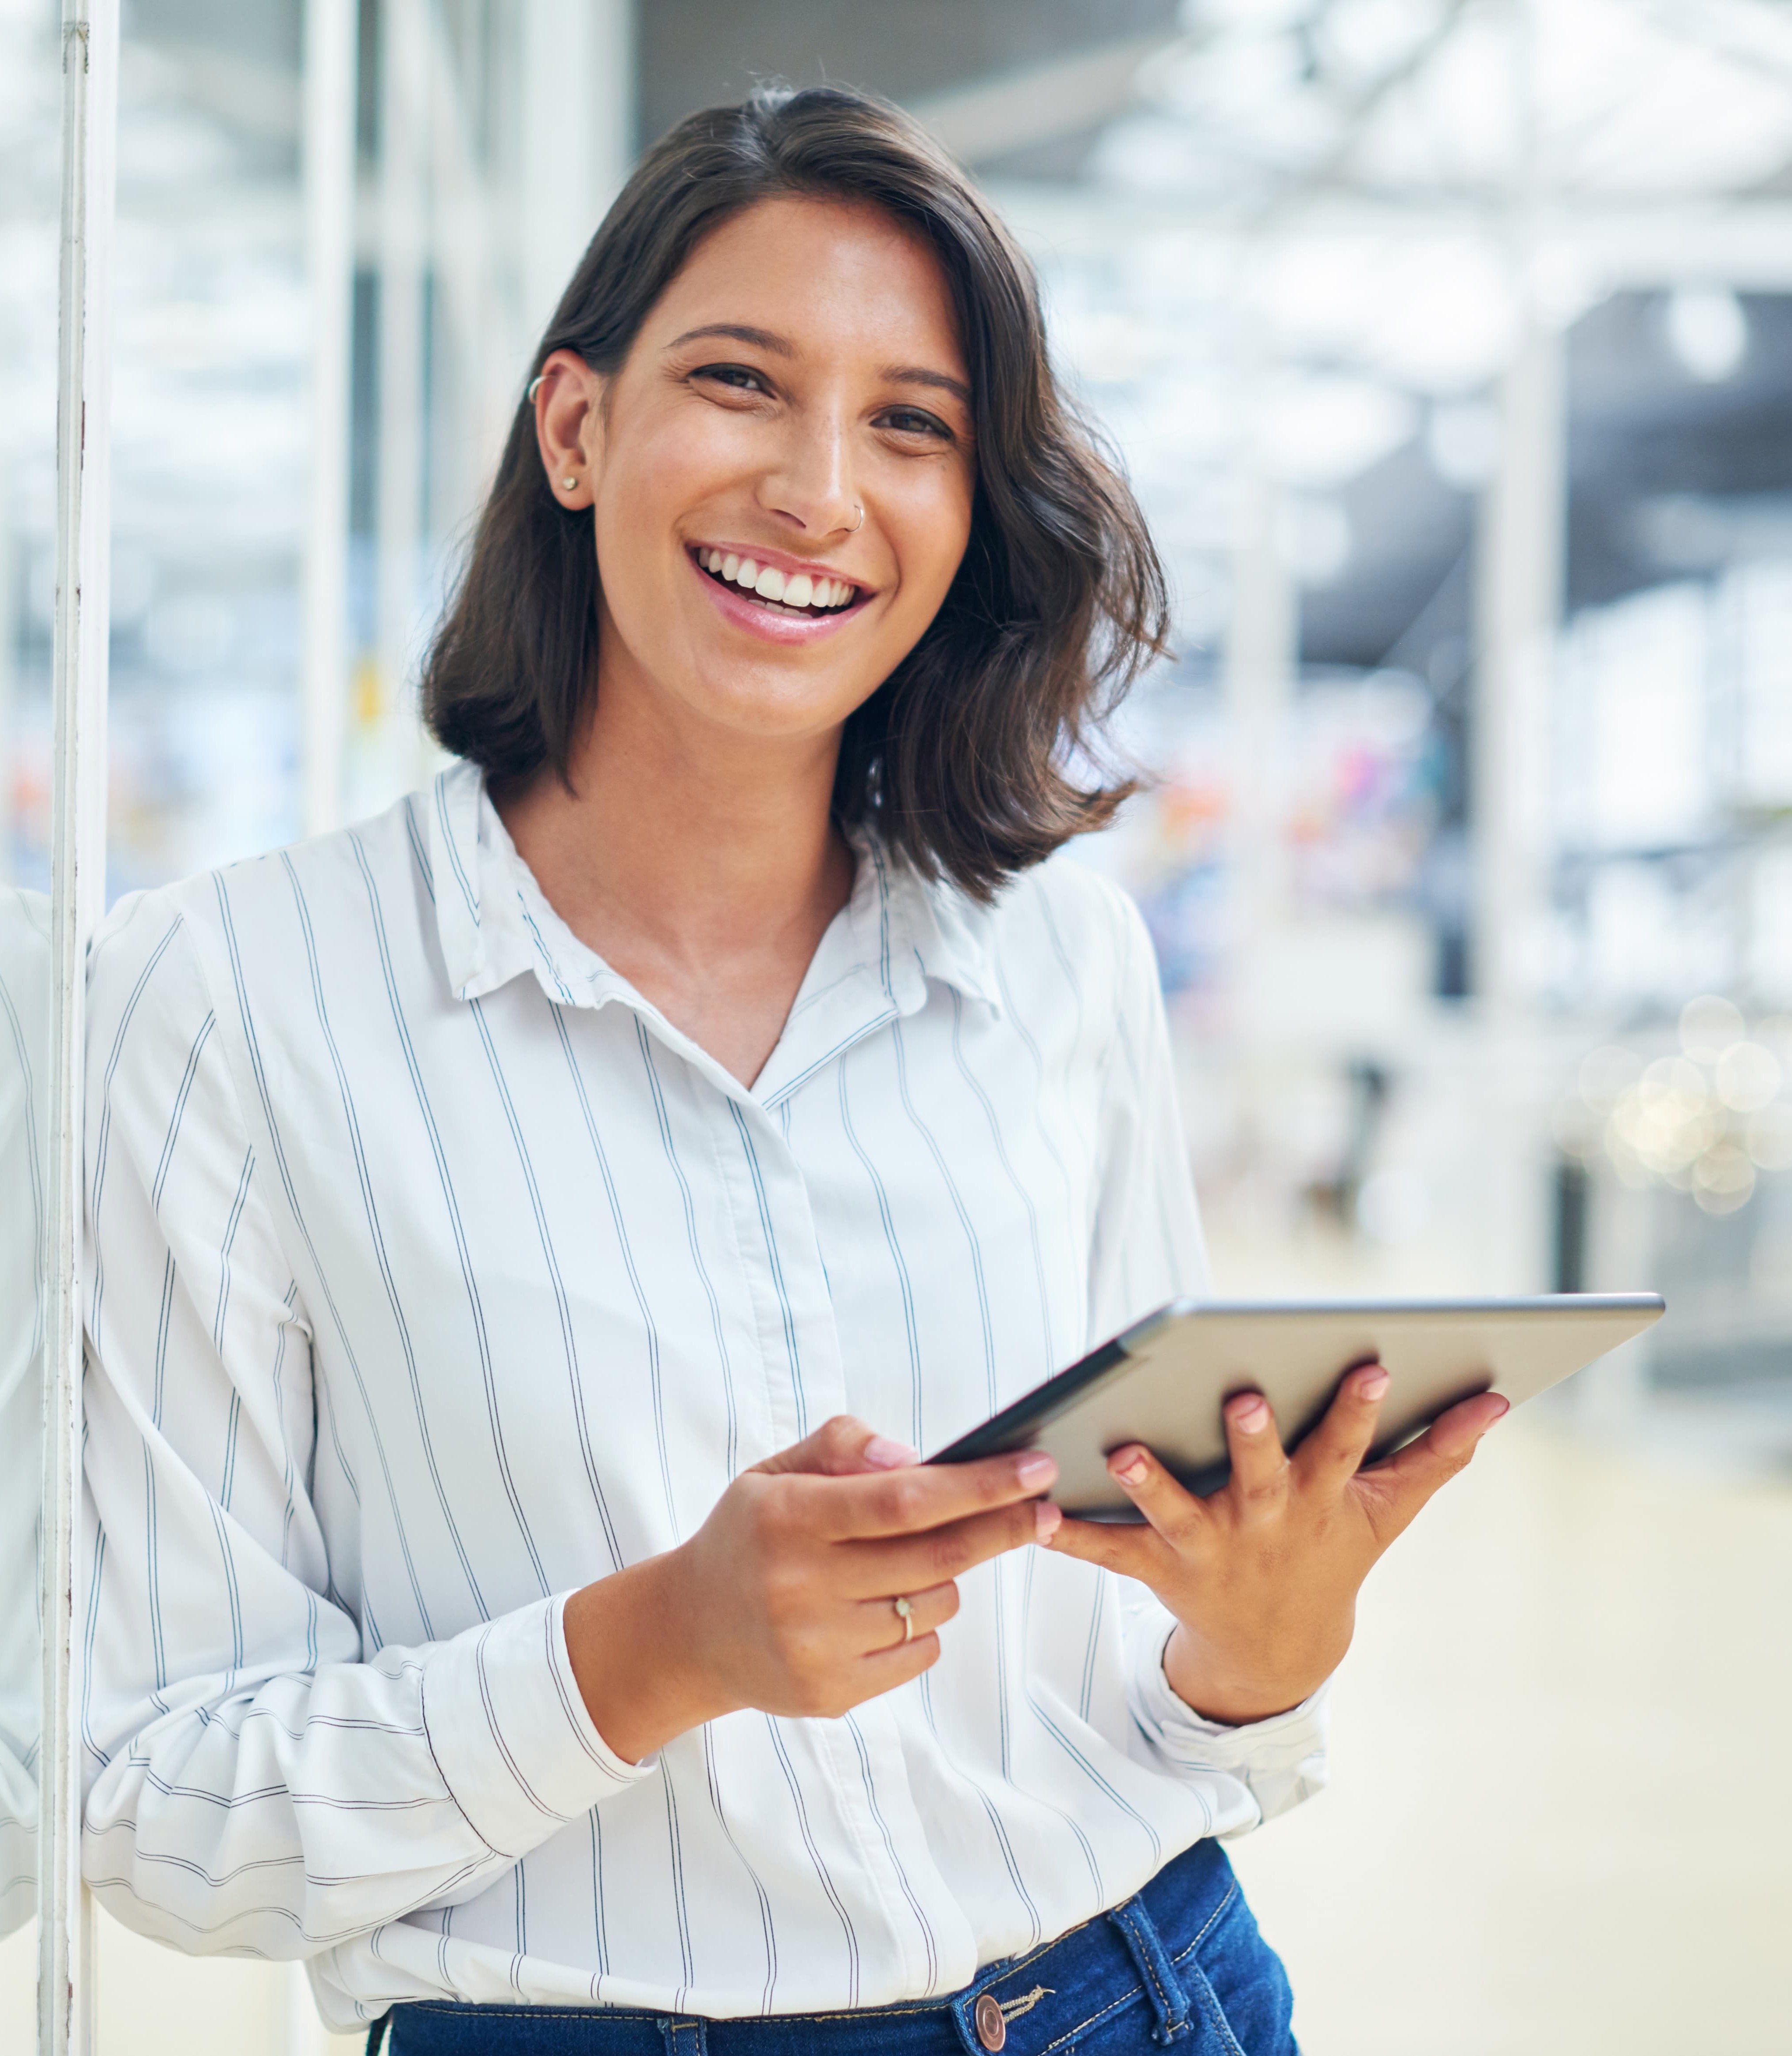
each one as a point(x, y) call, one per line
point(435, 1273)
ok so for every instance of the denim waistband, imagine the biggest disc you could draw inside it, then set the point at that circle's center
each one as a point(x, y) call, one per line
point(1145, 1956)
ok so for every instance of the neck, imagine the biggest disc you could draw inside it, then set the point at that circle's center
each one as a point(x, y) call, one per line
point(685, 847)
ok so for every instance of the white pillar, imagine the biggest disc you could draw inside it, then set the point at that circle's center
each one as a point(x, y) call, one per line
point(77, 892)
point(580, 54)
point(1263, 656)
point(328, 151)
point(403, 231)
point(1518, 603)
point(9, 584)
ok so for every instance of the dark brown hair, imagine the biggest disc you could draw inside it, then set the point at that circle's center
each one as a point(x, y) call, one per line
point(974, 758)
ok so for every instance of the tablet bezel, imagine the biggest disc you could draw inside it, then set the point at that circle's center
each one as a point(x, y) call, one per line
point(1300, 1381)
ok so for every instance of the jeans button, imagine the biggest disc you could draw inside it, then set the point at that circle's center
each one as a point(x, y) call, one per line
point(992, 2030)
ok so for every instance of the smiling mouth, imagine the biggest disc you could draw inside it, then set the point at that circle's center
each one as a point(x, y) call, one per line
point(778, 592)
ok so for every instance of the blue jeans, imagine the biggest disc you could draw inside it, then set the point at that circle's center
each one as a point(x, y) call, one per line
point(1181, 1964)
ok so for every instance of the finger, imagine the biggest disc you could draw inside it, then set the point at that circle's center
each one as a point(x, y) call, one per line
point(1332, 1454)
point(1171, 1508)
point(1395, 1490)
point(1134, 1549)
point(926, 1495)
point(879, 1566)
point(842, 1447)
point(877, 1624)
point(1260, 1463)
point(883, 1670)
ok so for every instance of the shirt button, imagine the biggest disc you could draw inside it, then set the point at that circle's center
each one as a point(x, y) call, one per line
point(992, 2030)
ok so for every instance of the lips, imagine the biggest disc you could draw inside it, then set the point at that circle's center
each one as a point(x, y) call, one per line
point(772, 620)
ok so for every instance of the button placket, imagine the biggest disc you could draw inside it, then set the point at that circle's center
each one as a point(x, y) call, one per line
point(805, 1381)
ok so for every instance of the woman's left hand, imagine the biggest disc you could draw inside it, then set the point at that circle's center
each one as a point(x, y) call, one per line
point(1262, 1576)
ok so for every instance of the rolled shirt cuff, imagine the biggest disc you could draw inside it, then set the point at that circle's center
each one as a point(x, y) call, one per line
point(507, 1726)
point(1293, 1741)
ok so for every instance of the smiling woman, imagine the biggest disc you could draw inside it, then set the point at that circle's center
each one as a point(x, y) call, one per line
point(536, 1231)
point(810, 269)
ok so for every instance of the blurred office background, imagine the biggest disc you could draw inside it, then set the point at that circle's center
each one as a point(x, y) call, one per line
point(1449, 343)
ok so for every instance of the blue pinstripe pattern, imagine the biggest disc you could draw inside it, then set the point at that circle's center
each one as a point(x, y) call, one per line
point(774, 1262)
point(761, 1899)
point(437, 1274)
point(252, 1049)
point(823, 1874)
point(689, 1212)
point(450, 1199)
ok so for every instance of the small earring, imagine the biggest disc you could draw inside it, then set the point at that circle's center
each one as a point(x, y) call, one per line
point(571, 484)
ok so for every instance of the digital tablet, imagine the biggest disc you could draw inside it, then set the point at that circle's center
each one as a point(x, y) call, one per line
point(1164, 1381)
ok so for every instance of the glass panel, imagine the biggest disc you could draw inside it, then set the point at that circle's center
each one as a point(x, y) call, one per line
point(1674, 778)
point(24, 1011)
point(30, 99)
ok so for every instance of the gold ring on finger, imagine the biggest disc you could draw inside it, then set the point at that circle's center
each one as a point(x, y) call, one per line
point(905, 1613)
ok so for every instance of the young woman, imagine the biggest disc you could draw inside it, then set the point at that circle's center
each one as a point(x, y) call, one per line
point(536, 1231)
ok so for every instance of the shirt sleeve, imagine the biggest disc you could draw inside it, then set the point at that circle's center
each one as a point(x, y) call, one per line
point(258, 1781)
point(1148, 1248)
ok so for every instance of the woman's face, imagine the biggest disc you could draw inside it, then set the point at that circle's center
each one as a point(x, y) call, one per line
point(803, 366)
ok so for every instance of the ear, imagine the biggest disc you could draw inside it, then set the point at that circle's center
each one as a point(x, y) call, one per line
point(569, 426)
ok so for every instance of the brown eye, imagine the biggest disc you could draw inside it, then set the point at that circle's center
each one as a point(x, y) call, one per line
point(911, 421)
point(739, 377)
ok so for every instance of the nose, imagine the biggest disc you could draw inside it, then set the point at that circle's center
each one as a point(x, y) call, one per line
point(810, 485)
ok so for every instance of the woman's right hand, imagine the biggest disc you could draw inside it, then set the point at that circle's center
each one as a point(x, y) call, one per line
point(783, 1599)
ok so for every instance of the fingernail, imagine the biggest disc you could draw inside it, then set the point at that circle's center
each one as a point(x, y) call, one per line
point(1036, 1468)
point(1046, 1519)
point(1506, 1408)
point(882, 1454)
point(1251, 1416)
point(1373, 1386)
point(1132, 1471)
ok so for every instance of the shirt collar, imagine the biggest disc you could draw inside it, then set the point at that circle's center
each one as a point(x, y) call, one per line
point(897, 931)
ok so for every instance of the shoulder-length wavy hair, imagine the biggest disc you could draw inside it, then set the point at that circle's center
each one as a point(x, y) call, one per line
point(975, 757)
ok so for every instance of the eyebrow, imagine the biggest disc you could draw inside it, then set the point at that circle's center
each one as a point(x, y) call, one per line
point(763, 338)
point(915, 374)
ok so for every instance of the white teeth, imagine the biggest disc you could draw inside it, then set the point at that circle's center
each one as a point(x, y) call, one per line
point(797, 590)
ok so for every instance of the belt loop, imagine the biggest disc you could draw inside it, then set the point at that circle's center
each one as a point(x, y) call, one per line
point(685, 2035)
point(1169, 2001)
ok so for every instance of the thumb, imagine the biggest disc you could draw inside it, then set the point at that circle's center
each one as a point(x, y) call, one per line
point(841, 1448)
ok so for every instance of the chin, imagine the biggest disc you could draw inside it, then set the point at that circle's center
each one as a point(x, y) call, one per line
point(772, 715)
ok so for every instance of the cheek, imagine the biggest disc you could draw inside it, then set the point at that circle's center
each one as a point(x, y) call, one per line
point(657, 475)
point(934, 525)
